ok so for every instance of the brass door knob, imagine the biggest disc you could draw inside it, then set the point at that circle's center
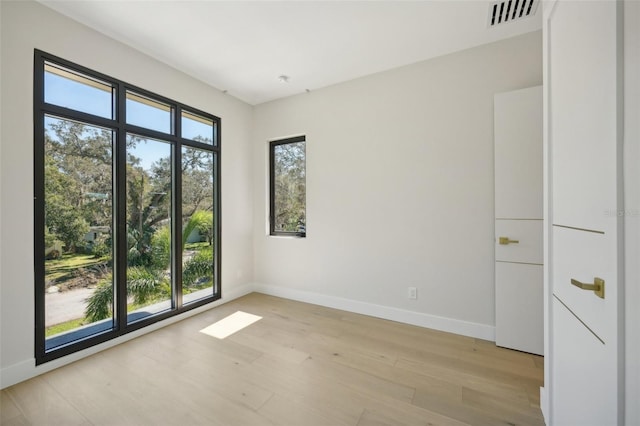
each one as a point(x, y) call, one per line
point(505, 240)
point(597, 287)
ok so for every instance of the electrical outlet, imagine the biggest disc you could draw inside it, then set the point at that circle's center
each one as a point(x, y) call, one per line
point(412, 293)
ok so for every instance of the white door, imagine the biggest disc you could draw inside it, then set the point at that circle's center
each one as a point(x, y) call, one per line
point(518, 210)
point(583, 131)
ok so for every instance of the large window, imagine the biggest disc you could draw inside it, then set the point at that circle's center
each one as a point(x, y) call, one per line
point(287, 177)
point(127, 195)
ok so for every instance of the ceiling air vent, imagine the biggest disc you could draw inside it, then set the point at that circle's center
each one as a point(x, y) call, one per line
point(505, 11)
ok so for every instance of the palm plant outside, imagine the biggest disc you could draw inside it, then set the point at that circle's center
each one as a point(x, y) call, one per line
point(149, 282)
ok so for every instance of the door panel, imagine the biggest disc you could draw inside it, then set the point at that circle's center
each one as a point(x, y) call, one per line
point(528, 233)
point(583, 75)
point(518, 154)
point(584, 256)
point(519, 307)
point(581, 379)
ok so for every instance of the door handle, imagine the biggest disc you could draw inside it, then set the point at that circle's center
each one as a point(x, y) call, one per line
point(597, 287)
point(505, 240)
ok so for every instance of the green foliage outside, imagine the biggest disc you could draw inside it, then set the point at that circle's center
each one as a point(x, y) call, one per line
point(198, 271)
point(161, 248)
point(101, 247)
point(78, 216)
point(100, 304)
point(78, 186)
point(290, 187)
point(150, 283)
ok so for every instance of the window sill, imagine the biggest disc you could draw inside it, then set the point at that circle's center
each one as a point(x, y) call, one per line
point(287, 237)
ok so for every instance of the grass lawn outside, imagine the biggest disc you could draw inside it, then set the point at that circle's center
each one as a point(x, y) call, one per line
point(62, 327)
point(63, 268)
point(196, 246)
point(79, 322)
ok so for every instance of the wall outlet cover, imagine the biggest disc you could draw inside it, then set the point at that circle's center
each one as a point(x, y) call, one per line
point(412, 293)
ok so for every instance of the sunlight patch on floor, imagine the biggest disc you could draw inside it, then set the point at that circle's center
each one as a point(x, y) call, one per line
point(231, 324)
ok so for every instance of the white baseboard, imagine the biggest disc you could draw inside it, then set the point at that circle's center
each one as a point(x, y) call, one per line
point(544, 404)
point(464, 328)
point(234, 293)
point(27, 369)
point(17, 373)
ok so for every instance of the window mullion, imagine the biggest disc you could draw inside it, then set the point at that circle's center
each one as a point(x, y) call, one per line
point(272, 189)
point(217, 210)
point(39, 204)
point(120, 255)
point(176, 252)
point(79, 116)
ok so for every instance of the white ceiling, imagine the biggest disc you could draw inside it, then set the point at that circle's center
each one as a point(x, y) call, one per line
point(242, 47)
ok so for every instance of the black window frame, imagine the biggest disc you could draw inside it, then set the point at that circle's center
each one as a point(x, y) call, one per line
point(272, 188)
point(120, 128)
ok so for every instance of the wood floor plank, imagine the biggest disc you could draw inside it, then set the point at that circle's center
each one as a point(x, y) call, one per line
point(486, 366)
point(280, 410)
point(538, 361)
point(384, 415)
point(332, 399)
point(456, 410)
point(357, 379)
point(511, 388)
point(501, 408)
point(16, 421)
point(8, 409)
point(439, 366)
point(522, 367)
point(490, 348)
point(40, 404)
point(108, 392)
point(270, 347)
point(218, 375)
point(301, 364)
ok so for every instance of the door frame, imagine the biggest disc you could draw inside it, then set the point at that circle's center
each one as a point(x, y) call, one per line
point(632, 207)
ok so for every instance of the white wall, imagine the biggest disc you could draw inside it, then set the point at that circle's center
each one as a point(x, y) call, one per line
point(399, 189)
point(27, 25)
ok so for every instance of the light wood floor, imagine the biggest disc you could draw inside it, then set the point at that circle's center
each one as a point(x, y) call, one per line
point(300, 365)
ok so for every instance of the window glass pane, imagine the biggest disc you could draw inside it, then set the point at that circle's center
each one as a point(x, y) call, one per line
point(148, 113)
point(148, 227)
point(198, 228)
point(289, 197)
point(78, 164)
point(73, 90)
point(198, 128)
